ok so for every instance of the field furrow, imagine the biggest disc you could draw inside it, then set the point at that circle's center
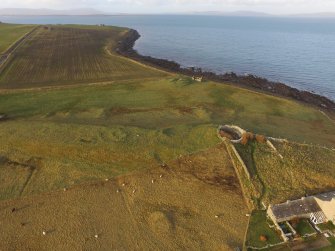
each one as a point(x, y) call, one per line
point(61, 55)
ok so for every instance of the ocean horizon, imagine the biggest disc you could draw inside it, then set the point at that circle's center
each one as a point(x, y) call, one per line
point(296, 51)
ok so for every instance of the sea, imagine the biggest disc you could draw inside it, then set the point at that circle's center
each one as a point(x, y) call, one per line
point(294, 50)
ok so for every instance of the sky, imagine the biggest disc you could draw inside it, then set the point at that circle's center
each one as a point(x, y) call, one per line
point(180, 6)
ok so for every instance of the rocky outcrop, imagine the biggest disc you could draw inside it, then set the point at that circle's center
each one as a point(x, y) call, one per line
point(3, 117)
point(126, 48)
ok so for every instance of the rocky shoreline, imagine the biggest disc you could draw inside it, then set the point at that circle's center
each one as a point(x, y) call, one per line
point(126, 48)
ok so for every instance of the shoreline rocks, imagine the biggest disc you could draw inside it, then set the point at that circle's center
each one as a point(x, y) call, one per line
point(126, 48)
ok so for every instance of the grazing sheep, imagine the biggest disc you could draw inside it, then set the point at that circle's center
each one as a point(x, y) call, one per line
point(161, 176)
point(152, 181)
point(96, 236)
point(216, 216)
point(44, 233)
point(134, 191)
point(64, 189)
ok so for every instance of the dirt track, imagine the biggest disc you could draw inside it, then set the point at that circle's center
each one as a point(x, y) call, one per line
point(195, 204)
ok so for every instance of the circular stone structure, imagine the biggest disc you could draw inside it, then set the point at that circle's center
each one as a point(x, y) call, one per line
point(235, 133)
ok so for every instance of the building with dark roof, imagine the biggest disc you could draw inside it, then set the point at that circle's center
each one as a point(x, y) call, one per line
point(319, 209)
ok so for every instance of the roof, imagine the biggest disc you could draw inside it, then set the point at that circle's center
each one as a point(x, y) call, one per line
point(295, 208)
point(319, 217)
point(326, 196)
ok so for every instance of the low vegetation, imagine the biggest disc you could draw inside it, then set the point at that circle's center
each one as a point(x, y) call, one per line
point(331, 247)
point(304, 170)
point(327, 226)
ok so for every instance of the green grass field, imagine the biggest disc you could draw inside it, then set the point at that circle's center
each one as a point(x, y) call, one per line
point(9, 33)
point(139, 117)
point(260, 226)
point(63, 55)
point(169, 101)
point(87, 133)
point(303, 227)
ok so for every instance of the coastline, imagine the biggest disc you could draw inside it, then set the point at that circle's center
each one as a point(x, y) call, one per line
point(126, 48)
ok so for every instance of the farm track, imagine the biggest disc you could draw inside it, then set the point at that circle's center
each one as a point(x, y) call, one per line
point(70, 86)
point(327, 116)
point(137, 62)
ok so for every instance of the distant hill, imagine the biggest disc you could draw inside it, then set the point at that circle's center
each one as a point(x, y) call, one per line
point(234, 13)
point(263, 14)
point(48, 12)
point(320, 14)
